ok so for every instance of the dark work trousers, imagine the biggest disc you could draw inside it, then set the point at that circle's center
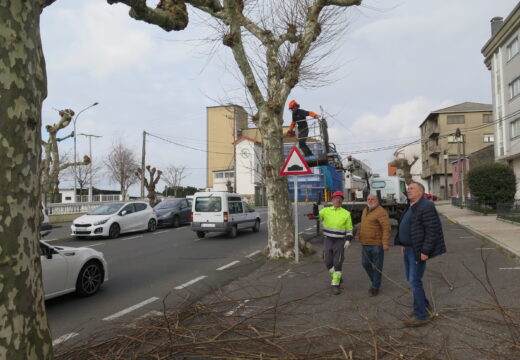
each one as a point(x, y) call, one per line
point(372, 258)
point(302, 138)
point(333, 252)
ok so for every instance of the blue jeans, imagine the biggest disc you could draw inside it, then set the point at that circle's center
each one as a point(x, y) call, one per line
point(414, 273)
point(372, 257)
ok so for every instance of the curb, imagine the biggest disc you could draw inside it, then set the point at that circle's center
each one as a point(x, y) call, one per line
point(483, 236)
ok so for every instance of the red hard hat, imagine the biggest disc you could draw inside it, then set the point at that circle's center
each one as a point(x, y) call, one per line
point(293, 103)
point(338, 193)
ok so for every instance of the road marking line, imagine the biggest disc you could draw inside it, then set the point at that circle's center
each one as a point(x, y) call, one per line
point(159, 232)
point(485, 249)
point(311, 228)
point(130, 309)
point(150, 313)
point(132, 237)
point(511, 268)
point(228, 265)
point(191, 282)
point(94, 245)
point(231, 312)
point(64, 338)
point(253, 254)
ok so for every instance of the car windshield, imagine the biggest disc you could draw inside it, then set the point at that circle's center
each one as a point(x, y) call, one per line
point(107, 209)
point(167, 204)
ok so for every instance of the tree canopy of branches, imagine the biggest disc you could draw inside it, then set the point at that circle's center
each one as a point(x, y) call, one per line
point(173, 176)
point(121, 163)
point(155, 176)
point(272, 44)
point(404, 165)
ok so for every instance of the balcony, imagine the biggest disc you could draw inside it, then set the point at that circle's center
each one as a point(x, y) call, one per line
point(434, 150)
point(433, 131)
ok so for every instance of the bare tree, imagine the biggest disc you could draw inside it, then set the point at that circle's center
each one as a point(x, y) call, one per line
point(52, 165)
point(83, 174)
point(155, 176)
point(404, 165)
point(173, 176)
point(272, 44)
point(121, 163)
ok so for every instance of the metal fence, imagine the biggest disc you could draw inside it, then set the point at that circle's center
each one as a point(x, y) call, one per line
point(509, 211)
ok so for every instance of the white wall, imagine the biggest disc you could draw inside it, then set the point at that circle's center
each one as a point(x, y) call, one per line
point(249, 166)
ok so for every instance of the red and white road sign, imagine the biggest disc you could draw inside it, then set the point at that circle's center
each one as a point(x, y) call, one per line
point(295, 164)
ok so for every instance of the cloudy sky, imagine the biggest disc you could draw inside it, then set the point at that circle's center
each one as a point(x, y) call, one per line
point(400, 60)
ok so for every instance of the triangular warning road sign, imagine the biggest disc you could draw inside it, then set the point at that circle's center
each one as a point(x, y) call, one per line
point(295, 164)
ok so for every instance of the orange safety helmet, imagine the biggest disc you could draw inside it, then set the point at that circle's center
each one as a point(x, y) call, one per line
point(338, 193)
point(292, 104)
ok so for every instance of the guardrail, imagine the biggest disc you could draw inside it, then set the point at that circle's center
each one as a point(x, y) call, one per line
point(509, 211)
point(71, 208)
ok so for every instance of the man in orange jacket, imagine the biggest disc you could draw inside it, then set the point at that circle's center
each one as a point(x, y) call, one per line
point(299, 117)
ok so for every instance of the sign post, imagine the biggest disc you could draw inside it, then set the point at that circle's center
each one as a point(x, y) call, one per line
point(295, 165)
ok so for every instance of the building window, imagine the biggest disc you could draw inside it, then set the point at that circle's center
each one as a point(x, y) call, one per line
point(514, 88)
point(512, 49)
point(489, 138)
point(453, 139)
point(515, 128)
point(487, 118)
point(219, 175)
point(455, 119)
point(68, 197)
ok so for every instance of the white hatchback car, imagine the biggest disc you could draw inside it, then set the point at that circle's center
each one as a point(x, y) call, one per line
point(65, 270)
point(112, 219)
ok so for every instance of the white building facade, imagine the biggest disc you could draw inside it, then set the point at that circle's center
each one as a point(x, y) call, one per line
point(249, 165)
point(409, 152)
point(502, 58)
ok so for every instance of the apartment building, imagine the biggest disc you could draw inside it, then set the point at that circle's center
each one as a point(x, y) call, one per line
point(501, 56)
point(439, 144)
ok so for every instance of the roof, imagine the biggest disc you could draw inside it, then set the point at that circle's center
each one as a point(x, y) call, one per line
point(510, 24)
point(465, 107)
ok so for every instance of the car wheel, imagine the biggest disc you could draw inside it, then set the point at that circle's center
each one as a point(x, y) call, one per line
point(114, 231)
point(152, 225)
point(256, 227)
point(233, 232)
point(176, 222)
point(89, 279)
point(201, 234)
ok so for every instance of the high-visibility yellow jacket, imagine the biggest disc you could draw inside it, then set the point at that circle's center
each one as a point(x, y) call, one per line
point(336, 222)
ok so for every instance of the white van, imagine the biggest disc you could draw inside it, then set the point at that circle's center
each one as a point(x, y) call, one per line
point(391, 188)
point(222, 212)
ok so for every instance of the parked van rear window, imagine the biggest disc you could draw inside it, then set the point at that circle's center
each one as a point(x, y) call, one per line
point(208, 204)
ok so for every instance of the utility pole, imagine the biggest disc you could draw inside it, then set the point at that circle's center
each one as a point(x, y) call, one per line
point(446, 174)
point(457, 136)
point(142, 164)
point(235, 146)
point(90, 187)
point(463, 191)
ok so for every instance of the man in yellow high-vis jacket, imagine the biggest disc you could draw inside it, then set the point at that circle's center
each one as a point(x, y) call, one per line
point(337, 234)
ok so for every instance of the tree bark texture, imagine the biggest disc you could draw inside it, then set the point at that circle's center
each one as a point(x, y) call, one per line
point(24, 332)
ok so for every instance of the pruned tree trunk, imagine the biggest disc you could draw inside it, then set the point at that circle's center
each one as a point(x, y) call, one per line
point(155, 176)
point(280, 241)
point(24, 333)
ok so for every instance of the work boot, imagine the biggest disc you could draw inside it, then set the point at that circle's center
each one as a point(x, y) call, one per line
point(336, 278)
point(336, 290)
point(415, 322)
point(373, 292)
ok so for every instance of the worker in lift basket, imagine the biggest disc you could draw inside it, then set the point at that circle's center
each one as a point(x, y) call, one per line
point(299, 117)
point(337, 234)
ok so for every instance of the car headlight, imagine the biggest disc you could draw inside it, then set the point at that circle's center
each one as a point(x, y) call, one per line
point(101, 222)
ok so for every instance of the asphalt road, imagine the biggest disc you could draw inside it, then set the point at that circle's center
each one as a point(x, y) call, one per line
point(148, 271)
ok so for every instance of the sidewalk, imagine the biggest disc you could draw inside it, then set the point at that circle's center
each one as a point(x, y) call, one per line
point(502, 233)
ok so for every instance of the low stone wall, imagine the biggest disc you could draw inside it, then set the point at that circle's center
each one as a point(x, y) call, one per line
point(54, 219)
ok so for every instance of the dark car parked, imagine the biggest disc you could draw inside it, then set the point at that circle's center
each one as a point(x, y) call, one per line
point(173, 212)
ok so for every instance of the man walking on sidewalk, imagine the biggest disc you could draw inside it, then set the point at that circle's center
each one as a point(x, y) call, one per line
point(374, 235)
point(337, 234)
point(420, 234)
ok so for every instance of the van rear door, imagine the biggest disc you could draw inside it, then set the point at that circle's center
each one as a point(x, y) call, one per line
point(208, 210)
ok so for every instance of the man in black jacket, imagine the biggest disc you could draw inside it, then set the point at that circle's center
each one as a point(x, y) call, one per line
point(420, 234)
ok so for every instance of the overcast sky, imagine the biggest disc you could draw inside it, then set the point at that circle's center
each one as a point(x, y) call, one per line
point(400, 60)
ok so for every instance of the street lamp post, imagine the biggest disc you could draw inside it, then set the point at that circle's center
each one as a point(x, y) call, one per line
point(90, 188)
point(75, 168)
